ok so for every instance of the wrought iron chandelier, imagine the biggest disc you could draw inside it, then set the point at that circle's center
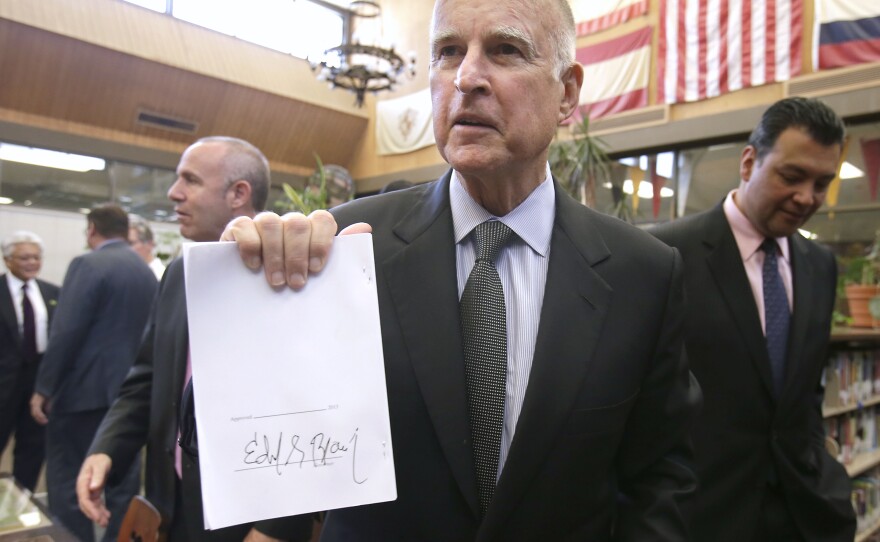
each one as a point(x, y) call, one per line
point(363, 68)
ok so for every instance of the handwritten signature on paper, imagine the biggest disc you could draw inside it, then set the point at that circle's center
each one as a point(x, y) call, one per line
point(295, 450)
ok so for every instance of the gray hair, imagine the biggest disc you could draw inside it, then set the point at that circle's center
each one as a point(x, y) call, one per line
point(245, 162)
point(564, 37)
point(141, 226)
point(19, 237)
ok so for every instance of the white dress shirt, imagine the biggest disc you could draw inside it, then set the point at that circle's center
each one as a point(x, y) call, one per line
point(41, 315)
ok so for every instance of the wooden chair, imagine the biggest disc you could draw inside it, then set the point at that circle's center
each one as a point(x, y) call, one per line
point(141, 522)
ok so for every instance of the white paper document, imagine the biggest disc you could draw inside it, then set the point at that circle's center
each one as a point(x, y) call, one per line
point(290, 399)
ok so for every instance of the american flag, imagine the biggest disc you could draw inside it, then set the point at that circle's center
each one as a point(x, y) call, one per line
point(711, 47)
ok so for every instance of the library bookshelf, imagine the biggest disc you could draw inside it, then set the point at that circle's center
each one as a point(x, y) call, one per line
point(851, 413)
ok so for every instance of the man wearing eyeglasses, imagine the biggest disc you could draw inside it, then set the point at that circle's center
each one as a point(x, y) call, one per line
point(26, 308)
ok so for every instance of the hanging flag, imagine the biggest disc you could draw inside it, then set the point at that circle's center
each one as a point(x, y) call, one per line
point(847, 32)
point(596, 15)
point(711, 47)
point(616, 74)
point(404, 124)
point(871, 159)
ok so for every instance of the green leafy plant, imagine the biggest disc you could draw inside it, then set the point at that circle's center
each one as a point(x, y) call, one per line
point(581, 163)
point(313, 195)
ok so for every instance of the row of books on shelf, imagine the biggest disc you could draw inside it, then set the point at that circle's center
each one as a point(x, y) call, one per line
point(851, 377)
point(854, 432)
point(866, 502)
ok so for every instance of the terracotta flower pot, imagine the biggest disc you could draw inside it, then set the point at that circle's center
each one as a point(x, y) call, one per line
point(858, 296)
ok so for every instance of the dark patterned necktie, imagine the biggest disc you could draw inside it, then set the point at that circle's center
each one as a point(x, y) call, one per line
point(776, 314)
point(29, 327)
point(484, 330)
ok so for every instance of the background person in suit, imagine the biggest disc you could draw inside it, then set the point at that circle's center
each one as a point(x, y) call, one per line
point(21, 349)
point(102, 311)
point(218, 179)
point(140, 237)
point(759, 442)
point(591, 441)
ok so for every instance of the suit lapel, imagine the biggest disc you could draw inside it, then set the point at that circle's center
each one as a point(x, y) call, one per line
point(421, 279)
point(48, 299)
point(7, 311)
point(727, 269)
point(575, 298)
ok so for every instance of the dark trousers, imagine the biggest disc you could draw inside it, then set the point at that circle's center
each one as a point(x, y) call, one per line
point(68, 438)
point(188, 524)
point(30, 437)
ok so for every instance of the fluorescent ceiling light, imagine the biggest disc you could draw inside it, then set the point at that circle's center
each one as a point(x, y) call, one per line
point(5, 201)
point(646, 190)
point(47, 158)
point(849, 171)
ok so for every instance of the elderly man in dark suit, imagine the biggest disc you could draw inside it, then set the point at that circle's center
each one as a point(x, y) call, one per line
point(27, 305)
point(218, 179)
point(532, 346)
point(103, 308)
point(760, 298)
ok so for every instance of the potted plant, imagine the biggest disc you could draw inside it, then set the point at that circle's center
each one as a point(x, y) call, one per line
point(581, 163)
point(862, 287)
point(327, 187)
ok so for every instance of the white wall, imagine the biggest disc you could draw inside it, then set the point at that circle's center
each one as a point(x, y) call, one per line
point(63, 235)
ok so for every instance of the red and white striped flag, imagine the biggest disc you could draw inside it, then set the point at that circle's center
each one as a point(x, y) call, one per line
point(597, 15)
point(712, 47)
point(616, 73)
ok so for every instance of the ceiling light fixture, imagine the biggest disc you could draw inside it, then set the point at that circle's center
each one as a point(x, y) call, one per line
point(361, 67)
point(47, 158)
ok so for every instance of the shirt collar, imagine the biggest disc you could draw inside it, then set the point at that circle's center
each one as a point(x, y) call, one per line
point(16, 283)
point(748, 238)
point(531, 220)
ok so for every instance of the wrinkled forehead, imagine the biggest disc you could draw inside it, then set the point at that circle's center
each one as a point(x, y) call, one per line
point(517, 19)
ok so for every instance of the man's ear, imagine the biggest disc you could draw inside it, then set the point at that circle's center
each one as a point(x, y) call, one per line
point(239, 194)
point(572, 80)
point(747, 162)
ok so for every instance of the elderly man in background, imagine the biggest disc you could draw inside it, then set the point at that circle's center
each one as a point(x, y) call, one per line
point(27, 306)
point(140, 237)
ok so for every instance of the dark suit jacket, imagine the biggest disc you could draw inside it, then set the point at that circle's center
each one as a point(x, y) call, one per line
point(104, 304)
point(11, 362)
point(599, 451)
point(146, 410)
point(745, 435)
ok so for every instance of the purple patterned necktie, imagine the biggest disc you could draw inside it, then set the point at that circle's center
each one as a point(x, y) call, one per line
point(776, 314)
point(29, 327)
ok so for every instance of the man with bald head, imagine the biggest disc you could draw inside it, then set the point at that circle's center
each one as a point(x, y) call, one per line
point(569, 425)
point(218, 179)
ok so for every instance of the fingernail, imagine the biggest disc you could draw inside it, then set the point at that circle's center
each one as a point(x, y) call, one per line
point(314, 263)
point(297, 280)
point(254, 262)
point(277, 278)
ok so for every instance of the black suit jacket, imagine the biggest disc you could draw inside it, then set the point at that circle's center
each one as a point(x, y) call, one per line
point(146, 411)
point(599, 451)
point(102, 311)
point(745, 436)
point(11, 362)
